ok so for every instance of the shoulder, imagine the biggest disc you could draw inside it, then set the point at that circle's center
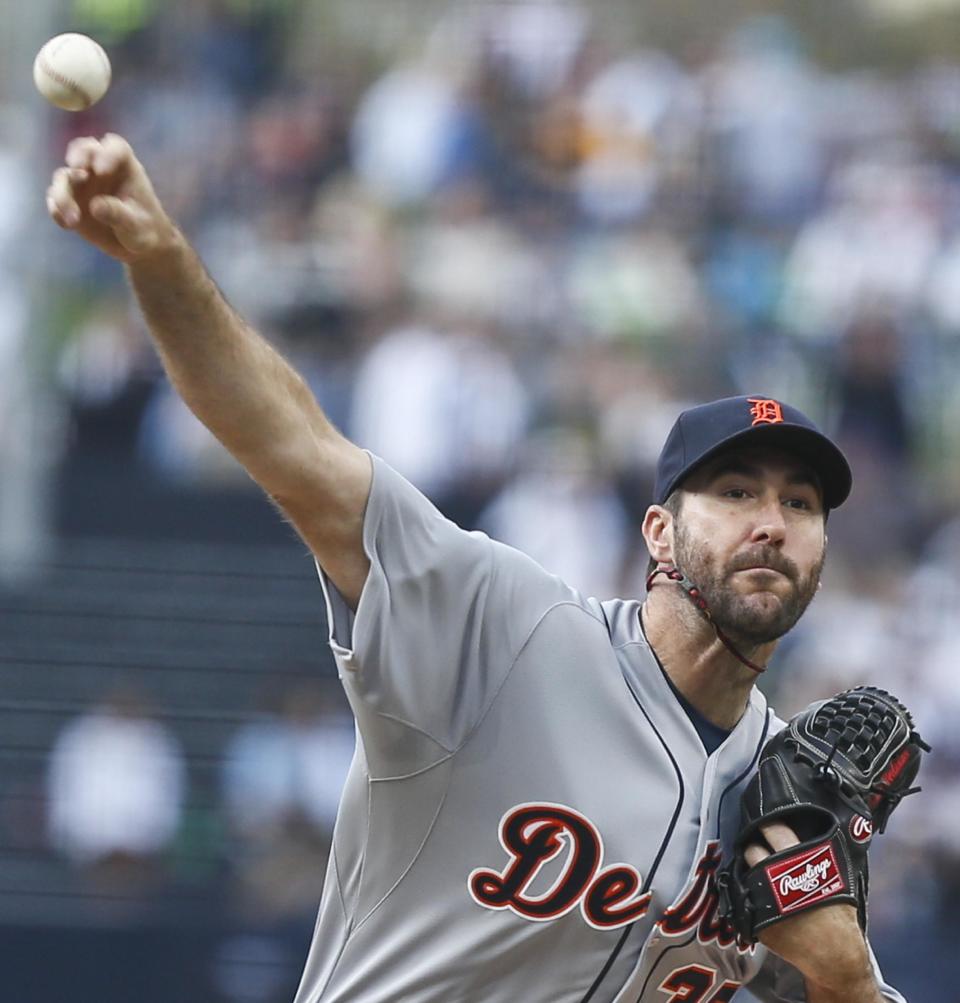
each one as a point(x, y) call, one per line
point(622, 618)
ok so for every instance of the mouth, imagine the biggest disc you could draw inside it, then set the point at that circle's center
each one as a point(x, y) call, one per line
point(763, 569)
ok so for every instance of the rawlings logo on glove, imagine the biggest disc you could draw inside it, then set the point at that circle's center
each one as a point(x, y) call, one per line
point(799, 880)
point(833, 775)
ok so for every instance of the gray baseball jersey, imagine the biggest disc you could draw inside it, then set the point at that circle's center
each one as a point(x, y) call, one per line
point(530, 814)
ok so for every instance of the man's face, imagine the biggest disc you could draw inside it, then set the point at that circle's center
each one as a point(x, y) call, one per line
point(750, 535)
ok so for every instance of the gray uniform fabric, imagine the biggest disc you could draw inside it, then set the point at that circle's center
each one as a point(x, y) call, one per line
point(530, 815)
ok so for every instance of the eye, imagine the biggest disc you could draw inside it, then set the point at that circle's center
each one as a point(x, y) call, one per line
point(799, 503)
point(736, 493)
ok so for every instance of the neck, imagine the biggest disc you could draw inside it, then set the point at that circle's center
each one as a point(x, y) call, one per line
point(698, 663)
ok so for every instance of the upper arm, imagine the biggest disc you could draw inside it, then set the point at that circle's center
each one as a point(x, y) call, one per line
point(326, 504)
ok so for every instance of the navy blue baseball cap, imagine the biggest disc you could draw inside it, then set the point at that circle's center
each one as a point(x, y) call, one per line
point(702, 432)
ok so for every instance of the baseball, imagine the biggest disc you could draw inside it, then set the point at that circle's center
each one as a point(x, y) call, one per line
point(72, 71)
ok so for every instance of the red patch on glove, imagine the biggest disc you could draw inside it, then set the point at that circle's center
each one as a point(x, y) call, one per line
point(808, 877)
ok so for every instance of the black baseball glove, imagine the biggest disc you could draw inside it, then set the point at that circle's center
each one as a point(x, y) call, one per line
point(833, 775)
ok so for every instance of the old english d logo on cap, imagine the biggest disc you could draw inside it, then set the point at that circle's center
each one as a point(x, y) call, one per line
point(765, 411)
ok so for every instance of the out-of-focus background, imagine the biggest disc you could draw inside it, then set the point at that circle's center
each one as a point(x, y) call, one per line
point(505, 242)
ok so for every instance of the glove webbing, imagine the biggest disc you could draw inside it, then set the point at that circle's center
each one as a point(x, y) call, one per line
point(862, 726)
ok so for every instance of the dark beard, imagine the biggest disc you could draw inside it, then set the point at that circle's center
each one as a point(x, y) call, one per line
point(745, 623)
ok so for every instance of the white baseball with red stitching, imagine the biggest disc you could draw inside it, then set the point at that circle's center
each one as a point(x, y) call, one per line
point(72, 71)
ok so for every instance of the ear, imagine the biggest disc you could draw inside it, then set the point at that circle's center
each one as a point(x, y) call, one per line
point(657, 532)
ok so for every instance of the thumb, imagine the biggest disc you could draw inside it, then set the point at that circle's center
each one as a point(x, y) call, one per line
point(113, 212)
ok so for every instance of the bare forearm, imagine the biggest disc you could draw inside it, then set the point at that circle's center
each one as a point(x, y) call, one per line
point(859, 988)
point(255, 403)
point(252, 400)
point(235, 383)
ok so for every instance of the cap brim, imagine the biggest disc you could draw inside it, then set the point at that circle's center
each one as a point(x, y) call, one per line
point(810, 446)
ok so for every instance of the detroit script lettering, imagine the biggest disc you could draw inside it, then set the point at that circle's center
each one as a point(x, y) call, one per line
point(533, 835)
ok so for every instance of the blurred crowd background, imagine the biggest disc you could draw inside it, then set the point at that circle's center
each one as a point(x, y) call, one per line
point(506, 242)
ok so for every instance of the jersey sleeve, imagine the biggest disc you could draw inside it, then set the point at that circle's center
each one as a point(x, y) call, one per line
point(777, 981)
point(442, 617)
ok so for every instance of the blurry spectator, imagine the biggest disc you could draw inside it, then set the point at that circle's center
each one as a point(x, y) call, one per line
point(562, 511)
point(635, 404)
point(743, 271)
point(236, 44)
point(290, 763)
point(637, 116)
point(292, 140)
point(930, 621)
point(640, 285)
point(873, 426)
point(187, 124)
point(469, 263)
point(409, 134)
point(872, 411)
point(356, 239)
point(442, 408)
point(106, 371)
point(282, 779)
point(872, 245)
point(116, 785)
point(535, 42)
point(766, 121)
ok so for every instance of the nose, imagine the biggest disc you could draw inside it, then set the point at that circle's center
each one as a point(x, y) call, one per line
point(770, 527)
